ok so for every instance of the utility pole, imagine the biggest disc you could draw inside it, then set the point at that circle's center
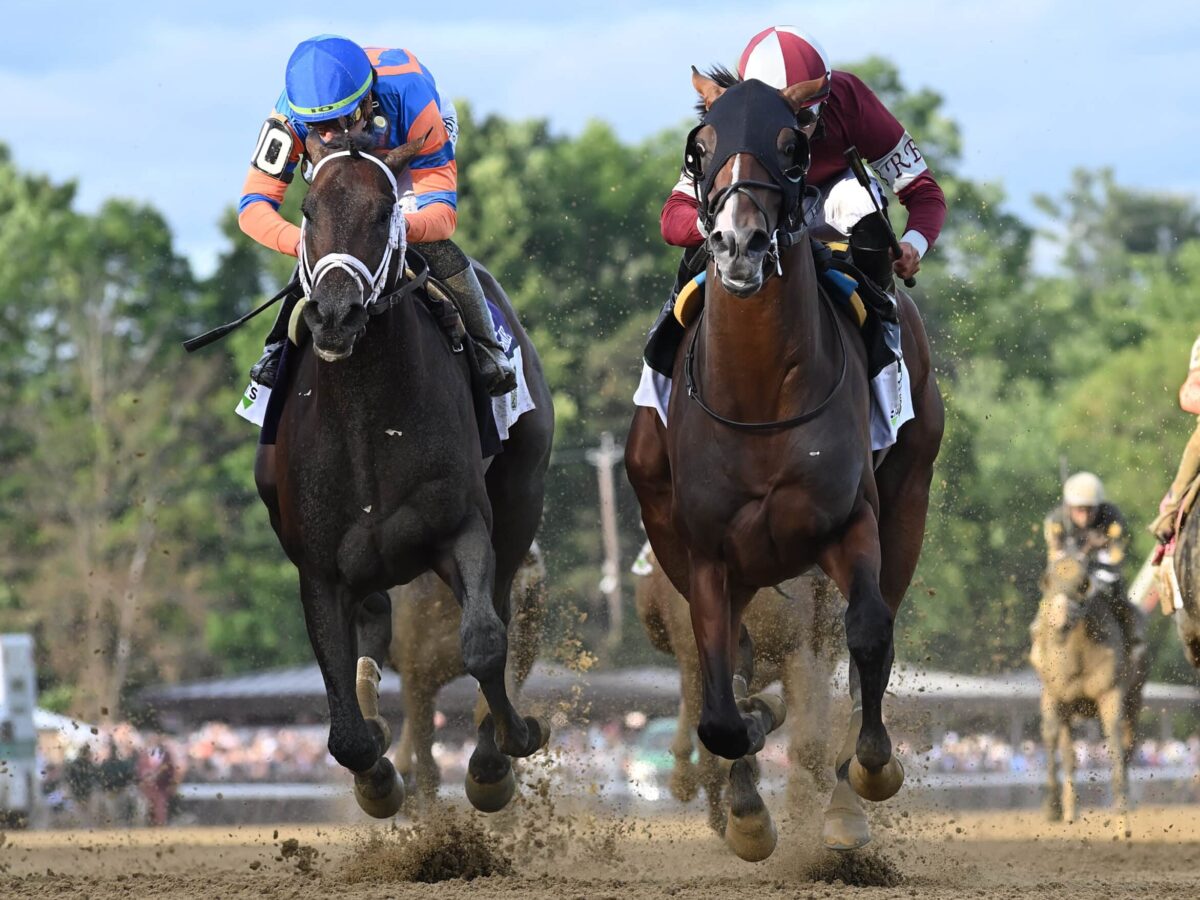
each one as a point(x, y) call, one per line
point(604, 459)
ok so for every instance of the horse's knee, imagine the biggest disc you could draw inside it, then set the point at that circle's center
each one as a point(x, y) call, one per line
point(484, 649)
point(869, 629)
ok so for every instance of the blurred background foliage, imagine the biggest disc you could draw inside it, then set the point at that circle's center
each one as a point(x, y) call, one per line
point(132, 542)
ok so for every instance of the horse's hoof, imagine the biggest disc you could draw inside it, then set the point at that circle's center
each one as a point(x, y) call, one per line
point(751, 837)
point(749, 831)
point(380, 793)
point(490, 797)
point(876, 786)
point(768, 705)
point(845, 826)
point(543, 726)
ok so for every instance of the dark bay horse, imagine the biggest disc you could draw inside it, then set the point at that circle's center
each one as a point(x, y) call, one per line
point(376, 475)
point(765, 468)
point(796, 635)
point(1086, 672)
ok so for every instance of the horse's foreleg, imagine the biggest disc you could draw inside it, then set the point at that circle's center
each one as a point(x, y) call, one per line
point(648, 467)
point(1112, 717)
point(854, 565)
point(722, 728)
point(1066, 750)
point(355, 743)
point(469, 570)
point(1051, 725)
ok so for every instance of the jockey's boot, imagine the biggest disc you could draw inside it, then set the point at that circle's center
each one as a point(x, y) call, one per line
point(1133, 627)
point(662, 341)
point(497, 371)
point(266, 370)
point(871, 253)
point(1163, 527)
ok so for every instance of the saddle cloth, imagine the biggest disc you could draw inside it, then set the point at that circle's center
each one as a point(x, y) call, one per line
point(891, 392)
point(256, 408)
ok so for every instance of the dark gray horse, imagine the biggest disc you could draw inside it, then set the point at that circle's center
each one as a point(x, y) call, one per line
point(427, 653)
point(376, 475)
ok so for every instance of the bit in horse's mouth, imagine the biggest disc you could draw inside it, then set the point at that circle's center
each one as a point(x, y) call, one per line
point(741, 288)
point(332, 355)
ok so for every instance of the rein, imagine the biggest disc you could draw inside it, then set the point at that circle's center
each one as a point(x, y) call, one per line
point(693, 388)
point(311, 274)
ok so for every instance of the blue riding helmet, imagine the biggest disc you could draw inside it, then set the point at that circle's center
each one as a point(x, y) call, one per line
point(327, 76)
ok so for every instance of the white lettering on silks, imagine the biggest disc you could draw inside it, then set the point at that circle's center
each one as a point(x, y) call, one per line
point(902, 164)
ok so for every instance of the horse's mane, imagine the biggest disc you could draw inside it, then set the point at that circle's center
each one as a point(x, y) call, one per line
point(722, 76)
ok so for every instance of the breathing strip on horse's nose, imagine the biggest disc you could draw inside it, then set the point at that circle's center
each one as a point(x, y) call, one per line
point(310, 276)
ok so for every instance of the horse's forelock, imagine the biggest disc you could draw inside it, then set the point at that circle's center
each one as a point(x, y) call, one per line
point(354, 141)
point(723, 77)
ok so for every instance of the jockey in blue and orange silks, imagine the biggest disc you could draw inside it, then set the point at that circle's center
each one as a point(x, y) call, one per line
point(333, 86)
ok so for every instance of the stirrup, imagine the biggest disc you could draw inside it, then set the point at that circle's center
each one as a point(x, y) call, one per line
point(266, 370)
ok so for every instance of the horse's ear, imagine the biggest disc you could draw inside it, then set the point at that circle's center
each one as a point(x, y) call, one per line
point(708, 89)
point(314, 147)
point(801, 93)
point(397, 160)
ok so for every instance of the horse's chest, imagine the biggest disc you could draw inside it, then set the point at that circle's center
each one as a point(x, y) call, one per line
point(376, 527)
point(754, 498)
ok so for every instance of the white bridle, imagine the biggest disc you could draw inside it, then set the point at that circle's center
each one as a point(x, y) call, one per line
point(311, 275)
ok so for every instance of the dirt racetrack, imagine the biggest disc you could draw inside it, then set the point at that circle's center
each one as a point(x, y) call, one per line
point(927, 855)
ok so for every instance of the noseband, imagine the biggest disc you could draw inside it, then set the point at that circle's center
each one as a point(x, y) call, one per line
point(312, 274)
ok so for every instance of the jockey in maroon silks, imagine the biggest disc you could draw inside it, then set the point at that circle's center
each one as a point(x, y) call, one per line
point(848, 115)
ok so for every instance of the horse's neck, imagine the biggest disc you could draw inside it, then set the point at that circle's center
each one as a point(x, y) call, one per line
point(387, 361)
point(766, 350)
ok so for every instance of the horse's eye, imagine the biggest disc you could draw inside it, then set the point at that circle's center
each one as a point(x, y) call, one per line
point(789, 150)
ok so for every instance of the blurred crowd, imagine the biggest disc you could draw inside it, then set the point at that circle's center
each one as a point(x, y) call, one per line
point(119, 775)
point(988, 753)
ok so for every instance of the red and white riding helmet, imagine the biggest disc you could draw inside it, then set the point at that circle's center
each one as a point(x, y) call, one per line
point(782, 56)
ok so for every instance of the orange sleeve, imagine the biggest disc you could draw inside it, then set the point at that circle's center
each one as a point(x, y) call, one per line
point(436, 222)
point(260, 220)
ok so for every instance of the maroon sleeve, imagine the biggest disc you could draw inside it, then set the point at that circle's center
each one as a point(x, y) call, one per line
point(926, 205)
point(678, 221)
point(894, 155)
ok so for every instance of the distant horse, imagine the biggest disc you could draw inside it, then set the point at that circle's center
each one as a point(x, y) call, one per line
point(1079, 654)
point(376, 475)
point(765, 466)
point(796, 632)
point(425, 651)
point(1186, 560)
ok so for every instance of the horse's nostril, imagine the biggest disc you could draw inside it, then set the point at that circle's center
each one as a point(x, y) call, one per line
point(758, 243)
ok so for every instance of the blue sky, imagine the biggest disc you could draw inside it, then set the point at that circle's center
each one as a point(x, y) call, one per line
point(163, 101)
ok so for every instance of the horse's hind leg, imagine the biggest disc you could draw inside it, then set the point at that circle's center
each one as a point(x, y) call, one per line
point(845, 825)
point(1111, 710)
point(469, 570)
point(351, 686)
point(875, 774)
